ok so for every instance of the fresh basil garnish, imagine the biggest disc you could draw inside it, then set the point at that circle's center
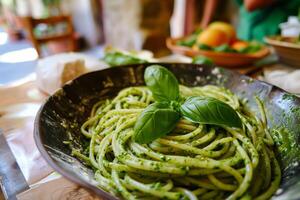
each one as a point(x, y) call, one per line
point(162, 83)
point(157, 120)
point(160, 118)
point(208, 110)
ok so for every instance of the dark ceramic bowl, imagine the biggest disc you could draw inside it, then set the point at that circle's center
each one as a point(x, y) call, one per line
point(65, 111)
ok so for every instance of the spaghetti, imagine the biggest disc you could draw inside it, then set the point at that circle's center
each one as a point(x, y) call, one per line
point(194, 161)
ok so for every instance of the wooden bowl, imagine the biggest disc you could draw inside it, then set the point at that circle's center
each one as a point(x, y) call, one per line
point(288, 53)
point(223, 59)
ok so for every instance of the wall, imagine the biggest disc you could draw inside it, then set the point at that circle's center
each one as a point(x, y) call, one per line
point(177, 20)
point(83, 20)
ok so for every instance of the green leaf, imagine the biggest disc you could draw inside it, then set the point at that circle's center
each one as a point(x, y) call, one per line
point(202, 60)
point(204, 47)
point(224, 48)
point(251, 48)
point(155, 121)
point(197, 31)
point(188, 42)
point(118, 58)
point(207, 110)
point(162, 83)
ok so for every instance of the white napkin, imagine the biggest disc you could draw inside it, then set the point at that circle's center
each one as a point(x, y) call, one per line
point(19, 134)
point(284, 77)
point(54, 71)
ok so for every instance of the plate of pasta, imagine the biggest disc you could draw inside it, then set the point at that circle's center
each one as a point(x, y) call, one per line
point(173, 131)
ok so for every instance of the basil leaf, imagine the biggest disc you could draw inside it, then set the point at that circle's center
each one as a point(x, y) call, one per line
point(204, 47)
point(188, 42)
point(197, 31)
point(251, 48)
point(224, 48)
point(209, 110)
point(155, 121)
point(202, 60)
point(118, 58)
point(162, 83)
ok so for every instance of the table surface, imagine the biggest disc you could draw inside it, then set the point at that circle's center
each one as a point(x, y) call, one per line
point(15, 102)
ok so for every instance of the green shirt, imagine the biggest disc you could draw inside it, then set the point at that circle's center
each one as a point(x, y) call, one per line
point(257, 24)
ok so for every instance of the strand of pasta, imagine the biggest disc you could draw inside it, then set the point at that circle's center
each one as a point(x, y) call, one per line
point(198, 161)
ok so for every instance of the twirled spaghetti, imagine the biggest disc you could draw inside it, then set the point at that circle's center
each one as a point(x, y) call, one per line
point(193, 162)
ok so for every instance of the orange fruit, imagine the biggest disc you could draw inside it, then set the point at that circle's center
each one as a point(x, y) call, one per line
point(195, 47)
point(238, 45)
point(213, 37)
point(227, 28)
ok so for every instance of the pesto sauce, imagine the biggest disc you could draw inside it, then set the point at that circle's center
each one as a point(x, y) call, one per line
point(289, 97)
point(286, 144)
point(287, 132)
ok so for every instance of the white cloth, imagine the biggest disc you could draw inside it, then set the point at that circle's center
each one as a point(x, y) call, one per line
point(284, 77)
point(53, 71)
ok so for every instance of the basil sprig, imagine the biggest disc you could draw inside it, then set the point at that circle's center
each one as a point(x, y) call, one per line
point(162, 83)
point(157, 120)
point(208, 110)
point(160, 118)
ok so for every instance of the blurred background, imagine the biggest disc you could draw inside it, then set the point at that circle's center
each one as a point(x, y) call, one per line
point(33, 29)
point(91, 25)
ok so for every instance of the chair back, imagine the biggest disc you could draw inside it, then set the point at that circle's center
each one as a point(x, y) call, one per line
point(67, 35)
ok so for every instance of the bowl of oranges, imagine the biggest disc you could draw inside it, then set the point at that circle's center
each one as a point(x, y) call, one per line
point(219, 43)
